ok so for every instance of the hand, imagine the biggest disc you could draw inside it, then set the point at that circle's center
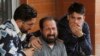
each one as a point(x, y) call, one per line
point(29, 51)
point(35, 42)
point(76, 29)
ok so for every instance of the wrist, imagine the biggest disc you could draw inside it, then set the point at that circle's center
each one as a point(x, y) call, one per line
point(81, 34)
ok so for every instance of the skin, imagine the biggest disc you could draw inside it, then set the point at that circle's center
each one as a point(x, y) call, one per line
point(76, 21)
point(49, 31)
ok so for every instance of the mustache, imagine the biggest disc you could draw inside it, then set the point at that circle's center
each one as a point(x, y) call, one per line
point(50, 35)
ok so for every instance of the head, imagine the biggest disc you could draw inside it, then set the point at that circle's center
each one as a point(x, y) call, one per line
point(76, 13)
point(25, 16)
point(48, 29)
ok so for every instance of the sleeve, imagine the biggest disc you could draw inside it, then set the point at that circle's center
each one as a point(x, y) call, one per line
point(85, 41)
point(8, 45)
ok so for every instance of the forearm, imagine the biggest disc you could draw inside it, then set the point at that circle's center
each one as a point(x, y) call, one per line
point(85, 44)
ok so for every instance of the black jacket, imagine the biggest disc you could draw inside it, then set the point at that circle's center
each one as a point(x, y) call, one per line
point(74, 46)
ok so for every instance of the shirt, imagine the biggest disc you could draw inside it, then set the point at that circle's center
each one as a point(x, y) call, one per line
point(57, 50)
point(10, 43)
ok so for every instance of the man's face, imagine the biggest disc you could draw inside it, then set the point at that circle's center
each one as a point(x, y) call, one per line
point(27, 25)
point(49, 31)
point(76, 18)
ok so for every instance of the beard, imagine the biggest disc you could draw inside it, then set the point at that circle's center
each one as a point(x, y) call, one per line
point(50, 38)
point(23, 31)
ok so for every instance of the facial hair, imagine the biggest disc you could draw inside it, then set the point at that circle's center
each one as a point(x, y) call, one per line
point(23, 31)
point(49, 40)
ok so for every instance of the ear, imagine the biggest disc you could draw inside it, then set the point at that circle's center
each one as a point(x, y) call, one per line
point(19, 23)
point(84, 18)
point(40, 30)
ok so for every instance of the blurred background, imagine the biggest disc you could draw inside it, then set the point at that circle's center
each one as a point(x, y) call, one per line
point(58, 8)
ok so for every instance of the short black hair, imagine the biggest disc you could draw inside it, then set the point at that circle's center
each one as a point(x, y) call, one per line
point(41, 22)
point(25, 12)
point(76, 7)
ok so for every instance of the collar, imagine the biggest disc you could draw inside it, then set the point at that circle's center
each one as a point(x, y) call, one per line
point(16, 26)
point(23, 35)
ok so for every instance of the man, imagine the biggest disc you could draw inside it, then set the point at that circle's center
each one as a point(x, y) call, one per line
point(11, 31)
point(51, 45)
point(74, 31)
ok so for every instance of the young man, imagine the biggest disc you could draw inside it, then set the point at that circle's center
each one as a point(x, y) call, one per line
point(12, 30)
point(74, 31)
point(51, 46)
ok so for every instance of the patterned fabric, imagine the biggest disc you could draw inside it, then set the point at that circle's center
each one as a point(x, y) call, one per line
point(10, 43)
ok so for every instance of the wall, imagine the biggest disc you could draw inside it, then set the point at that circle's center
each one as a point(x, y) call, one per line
point(97, 27)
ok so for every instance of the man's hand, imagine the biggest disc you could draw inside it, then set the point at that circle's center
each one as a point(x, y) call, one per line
point(29, 51)
point(35, 42)
point(76, 29)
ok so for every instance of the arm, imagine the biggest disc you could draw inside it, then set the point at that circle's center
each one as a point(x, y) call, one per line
point(10, 45)
point(7, 44)
point(85, 41)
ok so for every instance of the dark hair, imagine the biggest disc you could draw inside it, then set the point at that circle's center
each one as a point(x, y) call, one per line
point(25, 12)
point(76, 7)
point(41, 22)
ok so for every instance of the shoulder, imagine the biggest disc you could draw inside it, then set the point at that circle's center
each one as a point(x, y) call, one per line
point(63, 19)
point(86, 28)
point(59, 42)
point(85, 24)
point(7, 29)
point(62, 22)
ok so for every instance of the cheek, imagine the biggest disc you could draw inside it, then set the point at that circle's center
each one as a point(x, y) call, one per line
point(82, 21)
point(71, 21)
point(56, 32)
point(26, 28)
point(45, 33)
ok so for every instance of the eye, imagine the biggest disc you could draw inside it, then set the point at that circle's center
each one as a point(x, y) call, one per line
point(53, 28)
point(79, 18)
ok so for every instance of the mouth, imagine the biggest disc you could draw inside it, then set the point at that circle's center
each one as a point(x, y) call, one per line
point(51, 37)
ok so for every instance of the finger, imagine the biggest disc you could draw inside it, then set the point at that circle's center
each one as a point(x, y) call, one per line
point(32, 49)
point(29, 45)
point(35, 48)
point(39, 41)
point(37, 45)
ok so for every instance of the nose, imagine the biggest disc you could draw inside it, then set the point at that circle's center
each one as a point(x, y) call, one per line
point(51, 31)
point(76, 21)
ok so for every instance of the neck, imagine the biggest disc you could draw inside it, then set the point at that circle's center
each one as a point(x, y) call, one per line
point(51, 45)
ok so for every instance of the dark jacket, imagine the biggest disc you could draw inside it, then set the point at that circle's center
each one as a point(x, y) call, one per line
point(75, 46)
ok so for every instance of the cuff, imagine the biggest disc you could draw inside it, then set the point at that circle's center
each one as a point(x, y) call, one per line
point(81, 38)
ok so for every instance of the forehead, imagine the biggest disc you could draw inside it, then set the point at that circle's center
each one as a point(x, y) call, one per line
point(77, 14)
point(31, 21)
point(48, 23)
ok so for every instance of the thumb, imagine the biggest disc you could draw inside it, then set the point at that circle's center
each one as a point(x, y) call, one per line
point(32, 49)
point(39, 41)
